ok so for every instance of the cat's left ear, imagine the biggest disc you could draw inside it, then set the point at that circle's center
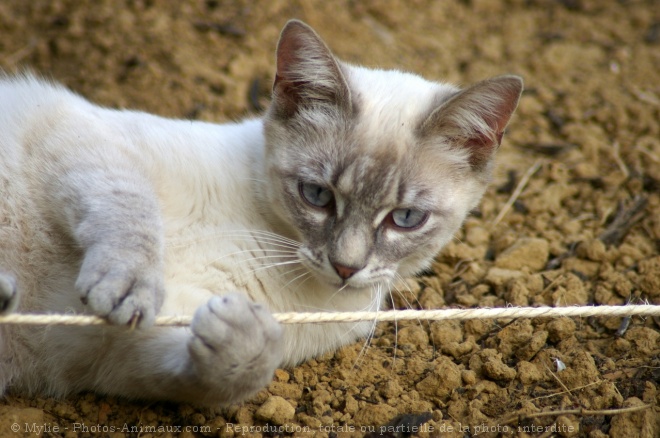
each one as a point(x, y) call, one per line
point(308, 75)
point(475, 118)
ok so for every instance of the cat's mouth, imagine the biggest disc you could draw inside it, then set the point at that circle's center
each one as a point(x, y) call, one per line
point(338, 276)
point(342, 285)
point(358, 280)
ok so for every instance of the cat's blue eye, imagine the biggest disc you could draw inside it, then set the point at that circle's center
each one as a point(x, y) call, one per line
point(315, 194)
point(407, 218)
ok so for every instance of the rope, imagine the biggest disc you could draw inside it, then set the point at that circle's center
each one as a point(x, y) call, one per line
point(387, 315)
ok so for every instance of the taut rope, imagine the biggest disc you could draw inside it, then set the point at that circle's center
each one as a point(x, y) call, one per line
point(386, 315)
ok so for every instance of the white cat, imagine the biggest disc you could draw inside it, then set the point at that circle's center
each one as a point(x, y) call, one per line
point(353, 179)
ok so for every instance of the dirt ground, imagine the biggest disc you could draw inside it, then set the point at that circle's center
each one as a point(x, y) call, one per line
point(585, 229)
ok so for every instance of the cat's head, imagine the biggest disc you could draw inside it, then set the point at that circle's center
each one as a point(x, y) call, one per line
point(374, 170)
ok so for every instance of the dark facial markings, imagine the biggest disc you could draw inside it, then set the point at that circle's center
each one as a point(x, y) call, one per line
point(342, 194)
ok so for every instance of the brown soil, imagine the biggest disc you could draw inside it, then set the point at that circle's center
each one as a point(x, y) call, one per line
point(585, 230)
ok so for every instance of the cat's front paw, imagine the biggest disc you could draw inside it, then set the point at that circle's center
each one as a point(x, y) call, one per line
point(124, 287)
point(8, 293)
point(236, 346)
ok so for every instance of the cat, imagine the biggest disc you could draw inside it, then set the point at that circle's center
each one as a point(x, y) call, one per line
point(352, 179)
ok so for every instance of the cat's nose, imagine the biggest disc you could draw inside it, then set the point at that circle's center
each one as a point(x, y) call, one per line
point(345, 272)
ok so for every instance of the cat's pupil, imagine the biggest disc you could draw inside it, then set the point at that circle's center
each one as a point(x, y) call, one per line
point(408, 217)
point(316, 195)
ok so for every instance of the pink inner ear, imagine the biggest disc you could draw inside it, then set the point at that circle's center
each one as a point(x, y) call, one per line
point(287, 51)
point(501, 114)
point(307, 73)
point(496, 117)
point(481, 148)
point(287, 81)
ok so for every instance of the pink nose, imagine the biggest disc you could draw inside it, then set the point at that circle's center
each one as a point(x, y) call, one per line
point(345, 272)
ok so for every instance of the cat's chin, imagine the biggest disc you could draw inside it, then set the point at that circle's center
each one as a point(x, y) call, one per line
point(352, 284)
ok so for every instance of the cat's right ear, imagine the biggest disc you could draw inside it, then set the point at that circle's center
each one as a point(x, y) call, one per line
point(308, 75)
point(474, 118)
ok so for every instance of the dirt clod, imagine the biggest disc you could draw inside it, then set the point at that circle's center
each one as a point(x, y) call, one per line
point(530, 253)
point(275, 410)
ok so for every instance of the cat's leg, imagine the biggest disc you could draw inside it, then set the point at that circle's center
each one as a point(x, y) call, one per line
point(108, 208)
point(8, 303)
point(112, 213)
point(235, 348)
point(230, 351)
point(8, 293)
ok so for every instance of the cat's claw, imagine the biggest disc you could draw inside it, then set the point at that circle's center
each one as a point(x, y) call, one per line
point(8, 294)
point(126, 292)
point(236, 344)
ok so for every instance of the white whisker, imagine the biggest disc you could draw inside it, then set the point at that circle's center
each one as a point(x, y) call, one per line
point(372, 330)
point(400, 292)
point(266, 257)
point(269, 240)
point(275, 236)
point(252, 251)
point(409, 305)
point(303, 282)
point(291, 271)
point(273, 265)
point(294, 279)
point(263, 257)
point(260, 236)
point(396, 334)
point(336, 293)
